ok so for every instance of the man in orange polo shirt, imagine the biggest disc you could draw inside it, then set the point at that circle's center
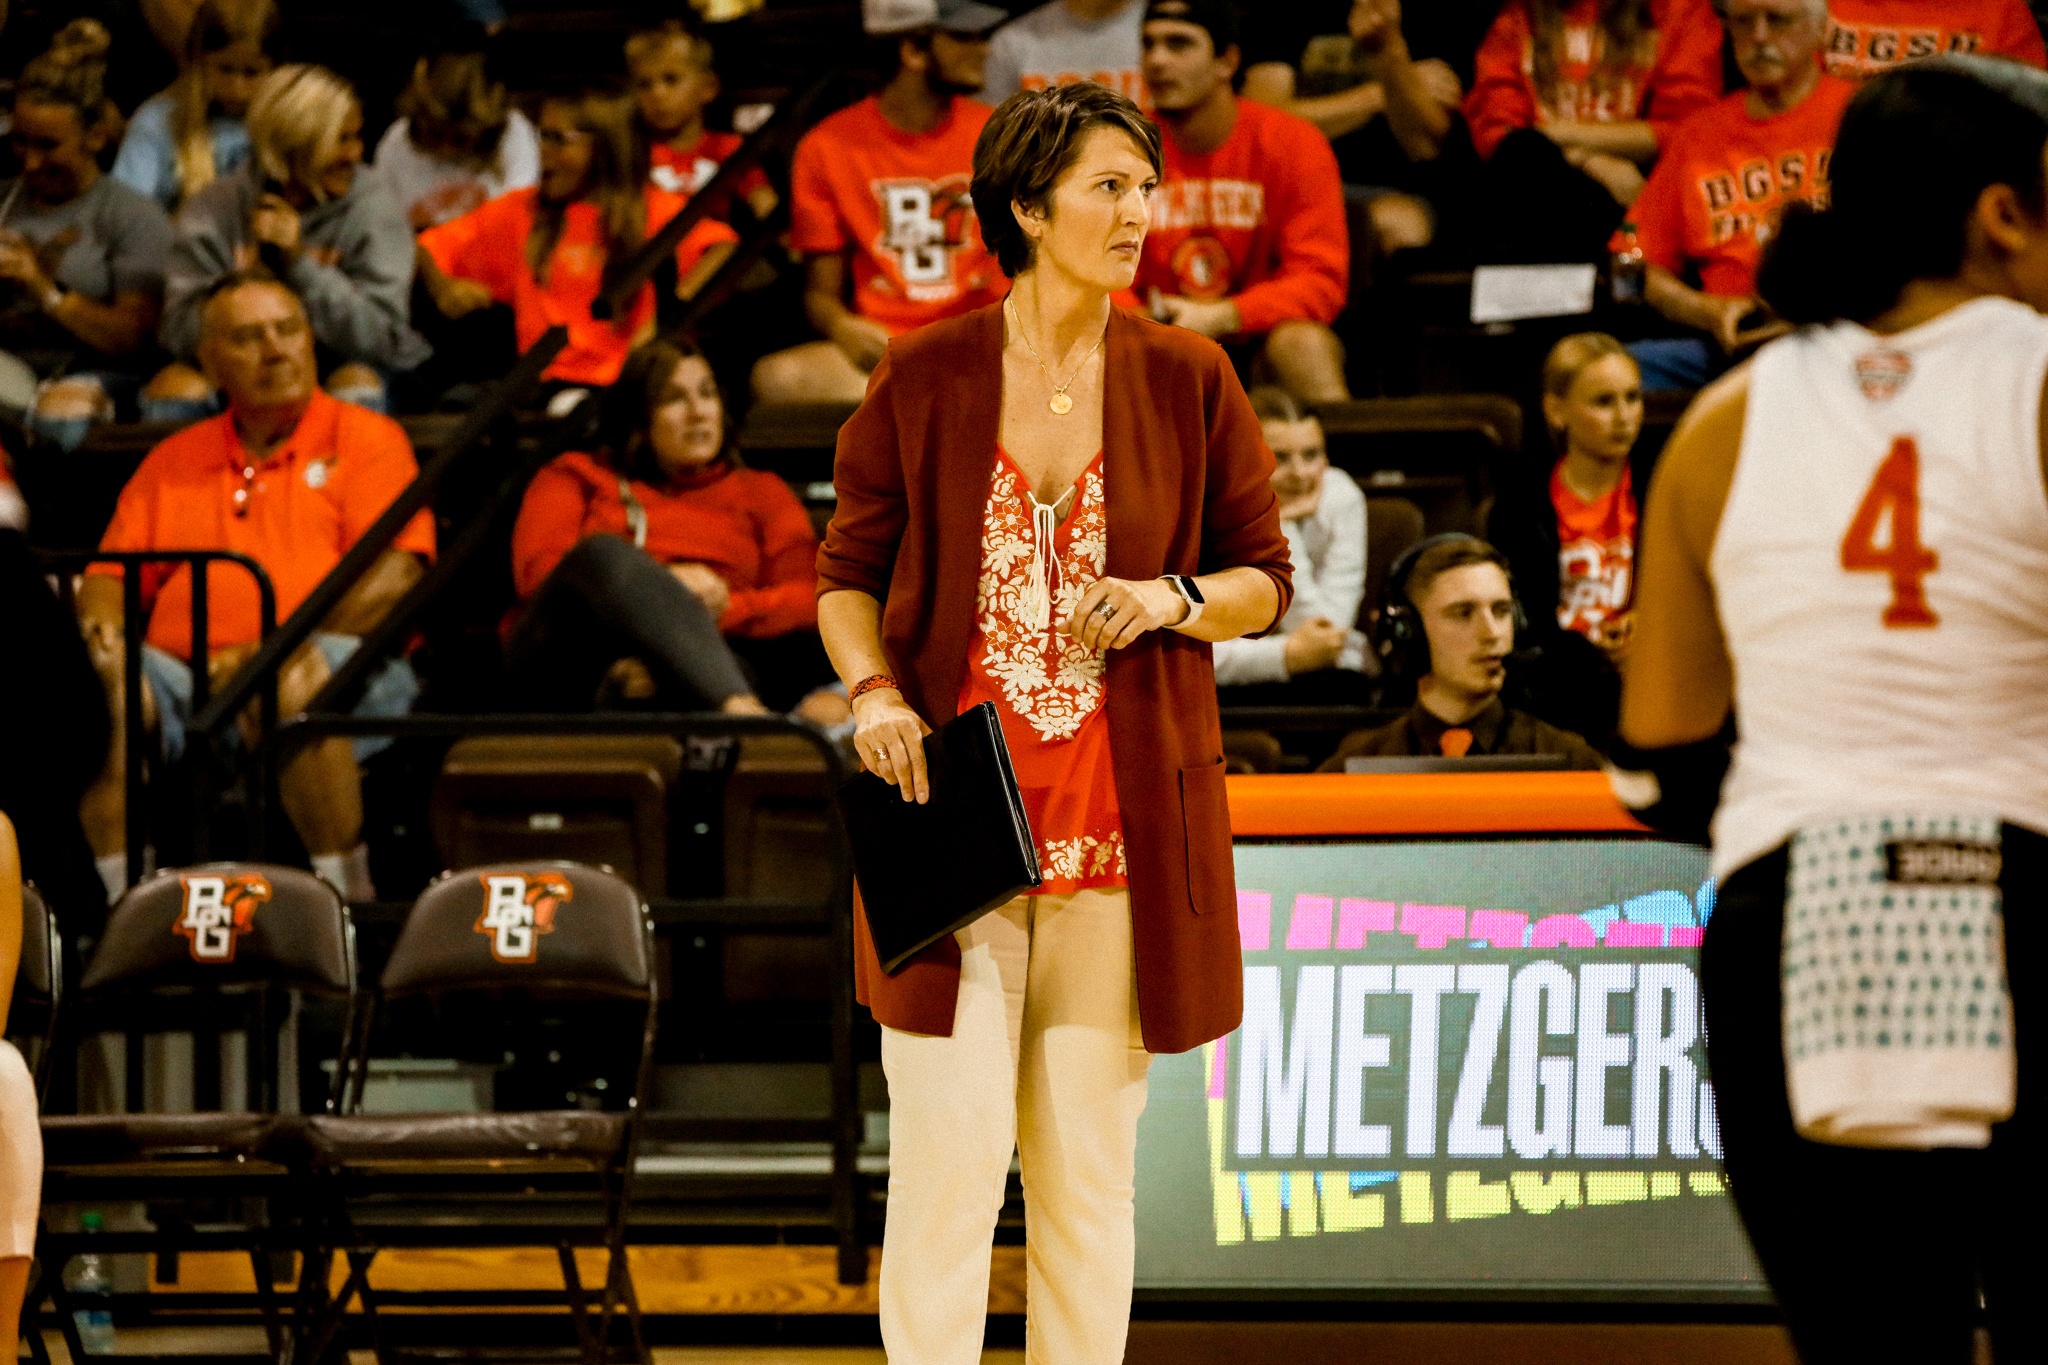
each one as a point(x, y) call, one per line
point(1722, 183)
point(879, 191)
point(291, 478)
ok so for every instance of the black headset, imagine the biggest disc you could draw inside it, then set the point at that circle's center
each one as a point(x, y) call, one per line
point(1398, 636)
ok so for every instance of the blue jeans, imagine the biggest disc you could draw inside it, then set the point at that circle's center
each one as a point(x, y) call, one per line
point(391, 692)
point(1674, 363)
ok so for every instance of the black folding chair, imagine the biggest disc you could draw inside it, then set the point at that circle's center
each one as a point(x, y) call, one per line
point(38, 987)
point(210, 951)
point(526, 937)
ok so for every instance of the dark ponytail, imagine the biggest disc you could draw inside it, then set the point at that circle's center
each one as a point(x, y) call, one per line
point(1918, 146)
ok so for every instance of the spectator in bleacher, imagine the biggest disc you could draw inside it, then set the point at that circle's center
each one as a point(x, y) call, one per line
point(180, 141)
point(1385, 82)
point(663, 567)
point(1248, 243)
point(1568, 524)
point(458, 140)
point(1316, 656)
point(302, 208)
point(1063, 41)
point(82, 255)
point(674, 81)
point(1449, 625)
point(1869, 36)
point(1571, 101)
point(1569, 532)
point(879, 191)
point(550, 250)
point(292, 478)
point(1722, 183)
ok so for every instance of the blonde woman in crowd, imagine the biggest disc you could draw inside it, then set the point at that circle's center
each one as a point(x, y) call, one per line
point(302, 209)
point(183, 139)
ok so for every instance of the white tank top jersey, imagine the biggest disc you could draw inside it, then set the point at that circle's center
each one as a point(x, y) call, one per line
point(1881, 569)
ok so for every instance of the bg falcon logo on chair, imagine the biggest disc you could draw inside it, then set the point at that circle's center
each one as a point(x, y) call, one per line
point(518, 909)
point(218, 911)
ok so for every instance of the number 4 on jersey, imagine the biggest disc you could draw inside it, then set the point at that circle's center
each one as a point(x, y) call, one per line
point(1894, 499)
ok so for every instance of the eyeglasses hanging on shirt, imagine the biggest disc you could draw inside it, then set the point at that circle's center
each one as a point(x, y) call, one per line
point(246, 491)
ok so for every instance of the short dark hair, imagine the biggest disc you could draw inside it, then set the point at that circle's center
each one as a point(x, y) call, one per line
point(1452, 552)
point(1028, 144)
point(1950, 128)
point(241, 279)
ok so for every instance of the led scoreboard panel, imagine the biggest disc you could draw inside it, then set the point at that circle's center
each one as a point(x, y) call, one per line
point(1468, 1063)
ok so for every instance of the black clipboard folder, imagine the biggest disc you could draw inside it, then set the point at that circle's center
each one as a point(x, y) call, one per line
point(926, 871)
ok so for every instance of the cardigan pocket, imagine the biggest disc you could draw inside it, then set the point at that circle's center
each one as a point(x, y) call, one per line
point(1205, 824)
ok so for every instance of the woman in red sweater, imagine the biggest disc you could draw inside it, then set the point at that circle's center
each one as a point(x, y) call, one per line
point(665, 562)
point(1570, 102)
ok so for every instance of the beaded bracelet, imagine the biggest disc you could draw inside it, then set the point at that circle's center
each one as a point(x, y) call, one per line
point(872, 684)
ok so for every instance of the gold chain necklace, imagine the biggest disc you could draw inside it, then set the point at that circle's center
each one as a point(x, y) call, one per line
point(1060, 403)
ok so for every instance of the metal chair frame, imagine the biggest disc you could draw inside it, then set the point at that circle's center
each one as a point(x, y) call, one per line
point(192, 1174)
point(343, 1191)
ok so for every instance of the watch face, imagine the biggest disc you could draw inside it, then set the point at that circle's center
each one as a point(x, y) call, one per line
point(1188, 586)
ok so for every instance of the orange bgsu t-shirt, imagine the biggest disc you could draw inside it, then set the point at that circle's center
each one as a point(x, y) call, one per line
point(1725, 178)
point(1869, 36)
point(1596, 554)
point(898, 202)
point(306, 505)
point(488, 245)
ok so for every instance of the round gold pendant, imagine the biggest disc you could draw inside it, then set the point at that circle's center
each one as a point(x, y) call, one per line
point(1061, 405)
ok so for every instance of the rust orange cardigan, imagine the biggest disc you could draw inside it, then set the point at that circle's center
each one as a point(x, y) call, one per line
point(1188, 487)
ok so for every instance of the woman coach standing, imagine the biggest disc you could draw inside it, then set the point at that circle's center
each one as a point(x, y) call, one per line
point(1012, 495)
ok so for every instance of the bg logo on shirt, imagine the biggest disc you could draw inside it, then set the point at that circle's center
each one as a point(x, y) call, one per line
point(923, 223)
point(518, 910)
point(218, 911)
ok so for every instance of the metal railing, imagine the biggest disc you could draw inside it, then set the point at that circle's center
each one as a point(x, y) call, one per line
point(200, 736)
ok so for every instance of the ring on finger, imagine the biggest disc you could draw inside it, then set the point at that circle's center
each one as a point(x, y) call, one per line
point(1105, 608)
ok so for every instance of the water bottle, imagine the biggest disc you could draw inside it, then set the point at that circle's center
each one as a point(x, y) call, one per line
point(90, 1283)
point(1626, 268)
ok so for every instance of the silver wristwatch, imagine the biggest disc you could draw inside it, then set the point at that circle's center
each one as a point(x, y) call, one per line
point(1189, 594)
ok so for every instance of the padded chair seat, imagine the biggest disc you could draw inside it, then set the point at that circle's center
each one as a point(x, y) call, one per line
point(205, 1139)
point(517, 1141)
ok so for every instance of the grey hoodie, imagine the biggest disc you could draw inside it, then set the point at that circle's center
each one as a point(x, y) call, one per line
point(357, 304)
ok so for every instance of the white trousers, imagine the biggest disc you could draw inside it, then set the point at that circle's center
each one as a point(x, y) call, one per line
point(1046, 1058)
point(21, 1156)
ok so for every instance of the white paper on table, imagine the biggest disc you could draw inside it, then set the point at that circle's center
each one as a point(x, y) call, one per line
point(1508, 293)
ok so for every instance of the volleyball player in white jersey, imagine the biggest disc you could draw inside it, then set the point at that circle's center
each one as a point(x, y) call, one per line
point(1847, 549)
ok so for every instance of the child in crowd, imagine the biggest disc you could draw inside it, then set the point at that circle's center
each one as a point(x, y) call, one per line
point(458, 140)
point(1317, 656)
point(81, 255)
point(673, 83)
point(550, 250)
point(1569, 527)
point(180, 140)
point(301, 208)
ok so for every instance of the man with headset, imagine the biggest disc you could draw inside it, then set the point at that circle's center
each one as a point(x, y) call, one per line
point(1449, 623)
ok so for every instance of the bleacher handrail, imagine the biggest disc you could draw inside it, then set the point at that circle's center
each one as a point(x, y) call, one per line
point(134, 630)
point(270, 657)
